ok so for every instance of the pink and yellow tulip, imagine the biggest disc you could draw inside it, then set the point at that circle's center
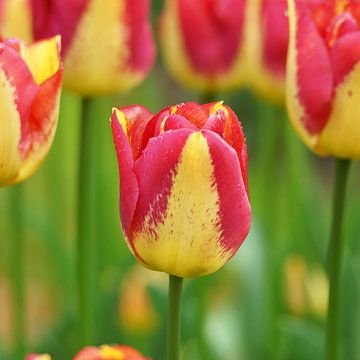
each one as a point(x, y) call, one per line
point(107, 45)
point(203, 43)
point(183, 186)
point(30, 86)
point(323, 76)
point(105, 352)
point(38, 357)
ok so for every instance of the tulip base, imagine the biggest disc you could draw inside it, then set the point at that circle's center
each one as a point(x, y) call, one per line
point(174, 317)
point(335, 254)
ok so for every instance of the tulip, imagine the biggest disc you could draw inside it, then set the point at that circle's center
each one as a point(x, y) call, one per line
point(203, 43)
point(107, 45)
point(105, 352)
point(183, 186)
point(15, 19)
point(38, 357)
point(323, 76)
point(268, 36)
point(30, 86)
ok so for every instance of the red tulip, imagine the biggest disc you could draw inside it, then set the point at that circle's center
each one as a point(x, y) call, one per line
point(105, 352)
point(107, 45)
point(30, 86)
point(324, 75)
point(183, 186)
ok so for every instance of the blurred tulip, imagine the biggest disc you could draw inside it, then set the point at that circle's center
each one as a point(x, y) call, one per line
point(30, 86)
point(38, 357)
point(203, 43)
point(183, 186)
point(16, 19)
point(306, 289)
point(323, 76)
point(105, 352)
point(107, 45)
point(268, 37)
point(136, 310)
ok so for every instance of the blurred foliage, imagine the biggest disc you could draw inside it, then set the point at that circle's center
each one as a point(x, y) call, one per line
point(267, 303)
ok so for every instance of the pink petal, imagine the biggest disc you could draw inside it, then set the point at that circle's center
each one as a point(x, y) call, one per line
point(129, 189)
point(235, 211)
point(315, 78)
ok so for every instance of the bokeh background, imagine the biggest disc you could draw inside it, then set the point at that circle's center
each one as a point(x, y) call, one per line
point(268, 302)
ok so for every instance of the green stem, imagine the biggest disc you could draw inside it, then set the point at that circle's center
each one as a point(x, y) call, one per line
point(17, 271)
point(335, 254)
point(174, 315)
point(207, 97)
point(85, 243)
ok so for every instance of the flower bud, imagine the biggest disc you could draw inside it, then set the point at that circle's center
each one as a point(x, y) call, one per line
point(323, 76)
point(30, 86)
point(184, 202)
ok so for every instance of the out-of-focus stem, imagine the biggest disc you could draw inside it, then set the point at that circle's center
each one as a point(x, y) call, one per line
point(17, 271)
point(85, 237)
point(335, 254)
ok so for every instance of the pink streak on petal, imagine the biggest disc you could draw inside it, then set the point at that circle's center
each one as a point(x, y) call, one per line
point(235, 211)
point(129, 188)
point(155, 170)
point(315, 78)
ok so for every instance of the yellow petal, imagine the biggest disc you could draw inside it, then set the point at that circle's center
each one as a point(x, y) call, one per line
point(42, 58)
point(188, 241)
point(341, 135)
point(10, 159)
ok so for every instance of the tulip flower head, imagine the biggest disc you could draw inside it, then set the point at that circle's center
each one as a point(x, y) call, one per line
point(107, 46)
point(16, 19)
point(30, 86)
point(105, 352)
point(268, 34)
point(203, 41)
point(323, 76)
point(38, 357)
point(184, 202)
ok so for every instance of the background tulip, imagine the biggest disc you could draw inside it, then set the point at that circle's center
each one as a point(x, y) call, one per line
point(323, 77)
point(30, 84)
point(268, 36)
point(105, 352)
point(16, 19)
point(107, 45)
point(38, 357)
point(203, 43)
point(183, 186)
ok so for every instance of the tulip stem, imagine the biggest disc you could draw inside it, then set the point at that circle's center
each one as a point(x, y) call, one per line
point(174, 316)
point(85, 243)
point(335, 254)
point(17, 271)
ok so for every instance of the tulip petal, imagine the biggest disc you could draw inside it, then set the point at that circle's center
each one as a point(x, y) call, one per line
point(129, 189)
point(345, 54)
point(10, 159)
point(235, 211)
point(314, 72)
point(142, 47)
point(341, 135)
point(137, 118)
point(40, 130)
point(171, 195)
